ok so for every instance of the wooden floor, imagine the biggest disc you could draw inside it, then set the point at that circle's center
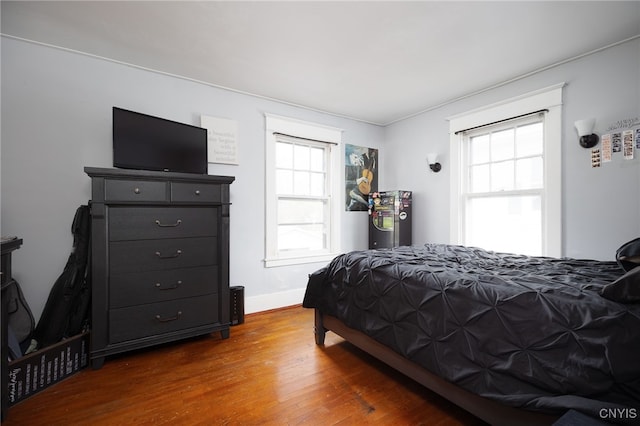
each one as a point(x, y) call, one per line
point(268, 372)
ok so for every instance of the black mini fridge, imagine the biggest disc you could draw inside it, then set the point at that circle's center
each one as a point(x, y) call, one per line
point(389, 219)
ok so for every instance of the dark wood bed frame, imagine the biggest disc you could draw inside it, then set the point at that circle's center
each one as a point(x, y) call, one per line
point(488, 410)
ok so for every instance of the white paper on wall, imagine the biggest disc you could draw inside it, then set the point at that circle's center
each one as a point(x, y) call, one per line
point(606, 148)
point(627, 144)
point(595, 157)
point(222, 139)
point(616, 142)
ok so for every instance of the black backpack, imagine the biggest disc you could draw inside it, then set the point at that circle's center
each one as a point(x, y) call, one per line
point(67, 310)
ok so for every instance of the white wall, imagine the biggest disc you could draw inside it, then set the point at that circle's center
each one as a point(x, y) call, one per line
point(601, 207)
point(56, 119)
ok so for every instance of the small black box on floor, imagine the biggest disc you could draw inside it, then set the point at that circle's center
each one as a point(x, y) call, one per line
point(237, 304)
point(41, 369)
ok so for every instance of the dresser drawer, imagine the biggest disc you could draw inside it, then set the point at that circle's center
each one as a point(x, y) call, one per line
point(140, 223)
point(164, 317)
point(136, 288)
point(134, 190)
point(196, 192)
point(153, 255)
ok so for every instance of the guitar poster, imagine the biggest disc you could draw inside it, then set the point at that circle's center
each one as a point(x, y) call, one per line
point(360, 175)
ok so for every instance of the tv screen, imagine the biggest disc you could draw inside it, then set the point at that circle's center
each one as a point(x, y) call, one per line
point(145, 142)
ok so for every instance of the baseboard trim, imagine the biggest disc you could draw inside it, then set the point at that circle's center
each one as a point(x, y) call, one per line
point(267, 302)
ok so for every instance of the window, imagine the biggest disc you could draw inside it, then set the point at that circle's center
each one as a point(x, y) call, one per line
point(506, 176)
point(301, 215)
point(302, 192)
point(503, 188)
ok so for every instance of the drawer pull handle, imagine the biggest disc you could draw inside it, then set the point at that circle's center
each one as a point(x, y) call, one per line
point(137, 190)
point(197, 192)
point(173, 287)
point(169, 256)
point(159, 318)
point(168, 225)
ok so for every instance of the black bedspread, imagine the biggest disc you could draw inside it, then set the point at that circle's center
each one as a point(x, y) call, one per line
point(531, 332)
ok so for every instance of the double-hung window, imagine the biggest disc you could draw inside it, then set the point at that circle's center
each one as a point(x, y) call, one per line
point(506, 176)
point(302, 216)
point(503, 186)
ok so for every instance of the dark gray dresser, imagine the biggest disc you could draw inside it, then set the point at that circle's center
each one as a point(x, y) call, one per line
point(160, 258)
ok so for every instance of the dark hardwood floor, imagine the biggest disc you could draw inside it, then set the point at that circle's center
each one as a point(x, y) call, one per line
point(268, 372)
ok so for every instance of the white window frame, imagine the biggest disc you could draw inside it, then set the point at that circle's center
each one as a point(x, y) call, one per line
point(549, 99)
point(315, 132)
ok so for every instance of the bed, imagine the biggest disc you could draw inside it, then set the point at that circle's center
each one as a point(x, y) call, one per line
point(510, 338)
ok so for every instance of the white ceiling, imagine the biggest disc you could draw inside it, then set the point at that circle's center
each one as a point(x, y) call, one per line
point(373, 61)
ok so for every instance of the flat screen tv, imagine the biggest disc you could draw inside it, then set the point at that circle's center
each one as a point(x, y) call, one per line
point(141, 141)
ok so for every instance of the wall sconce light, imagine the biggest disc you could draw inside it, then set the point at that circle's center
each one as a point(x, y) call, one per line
point(588, 139)
point(432, 159)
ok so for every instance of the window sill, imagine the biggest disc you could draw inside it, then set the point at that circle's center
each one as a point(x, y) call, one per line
point(272, 263)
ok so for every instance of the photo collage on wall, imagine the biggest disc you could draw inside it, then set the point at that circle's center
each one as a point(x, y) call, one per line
point(360, 175)
point(617, 143)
